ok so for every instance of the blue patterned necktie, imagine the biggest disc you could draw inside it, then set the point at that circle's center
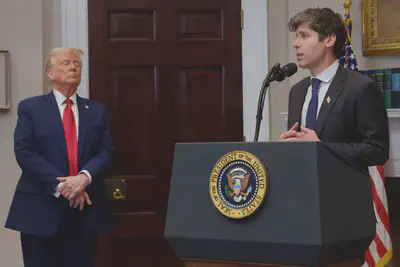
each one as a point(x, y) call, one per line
point(311, 119)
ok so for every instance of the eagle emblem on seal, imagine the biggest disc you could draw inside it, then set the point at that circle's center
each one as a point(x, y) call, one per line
point(238, 179)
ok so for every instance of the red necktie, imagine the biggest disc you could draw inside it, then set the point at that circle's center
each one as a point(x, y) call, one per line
point(70, 138)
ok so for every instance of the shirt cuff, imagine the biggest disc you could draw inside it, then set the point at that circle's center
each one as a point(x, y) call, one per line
point(57, 191)
point(87, 174)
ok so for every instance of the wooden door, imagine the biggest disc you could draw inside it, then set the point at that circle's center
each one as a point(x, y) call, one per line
point(168, 71)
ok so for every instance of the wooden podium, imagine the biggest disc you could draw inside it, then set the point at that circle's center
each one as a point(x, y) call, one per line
point(318, 210)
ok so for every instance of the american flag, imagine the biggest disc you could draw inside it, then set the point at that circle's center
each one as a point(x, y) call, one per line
point(379, 252)
point(348, 58)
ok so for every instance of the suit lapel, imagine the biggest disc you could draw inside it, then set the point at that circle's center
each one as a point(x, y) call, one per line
point(55, 121)
point(330, 98)
point(83, 123)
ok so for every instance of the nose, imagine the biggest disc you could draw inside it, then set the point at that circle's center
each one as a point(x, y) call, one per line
point(295, 44)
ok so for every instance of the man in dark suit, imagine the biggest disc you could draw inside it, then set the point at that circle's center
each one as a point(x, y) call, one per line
point(62, 144)
point(342, 108)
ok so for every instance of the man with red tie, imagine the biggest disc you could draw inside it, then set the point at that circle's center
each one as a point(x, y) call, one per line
point(62, 144)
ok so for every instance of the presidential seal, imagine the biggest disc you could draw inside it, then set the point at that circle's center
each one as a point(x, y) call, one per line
point(238, 184)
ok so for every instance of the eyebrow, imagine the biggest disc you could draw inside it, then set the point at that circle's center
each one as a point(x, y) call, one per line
point(67, 60)
point(302, 31)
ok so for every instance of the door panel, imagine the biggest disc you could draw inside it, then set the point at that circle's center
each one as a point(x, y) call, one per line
point(168, 71)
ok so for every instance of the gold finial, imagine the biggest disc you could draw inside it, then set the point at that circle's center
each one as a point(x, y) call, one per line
point(347, 5)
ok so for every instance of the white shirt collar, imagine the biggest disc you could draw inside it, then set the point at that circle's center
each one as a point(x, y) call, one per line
point(327, 75)
point(60, 98)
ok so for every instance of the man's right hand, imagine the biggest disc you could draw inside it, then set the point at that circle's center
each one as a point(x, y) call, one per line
point(80, 201)
point(291, 133)
point(72, 186)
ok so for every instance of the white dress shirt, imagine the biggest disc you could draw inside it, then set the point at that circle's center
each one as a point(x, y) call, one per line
point(326, 78)
point(60, 99)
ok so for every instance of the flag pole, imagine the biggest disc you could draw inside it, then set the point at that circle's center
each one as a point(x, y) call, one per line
point(347, 5)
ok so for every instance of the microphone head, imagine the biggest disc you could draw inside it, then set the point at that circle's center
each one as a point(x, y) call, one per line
point(286, 71)
point(289, 69)
point(276, 68)
point(280, 76)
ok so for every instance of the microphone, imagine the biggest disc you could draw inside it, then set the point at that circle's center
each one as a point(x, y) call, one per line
point(276, 73)
point(271, 72)
point(286, 71)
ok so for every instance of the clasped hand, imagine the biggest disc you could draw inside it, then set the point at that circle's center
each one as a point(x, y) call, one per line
point(73, 189)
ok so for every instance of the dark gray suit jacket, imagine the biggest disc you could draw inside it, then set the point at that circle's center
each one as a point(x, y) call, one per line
point(354, 124)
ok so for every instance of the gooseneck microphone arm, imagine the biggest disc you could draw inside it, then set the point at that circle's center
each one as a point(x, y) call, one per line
point(261, 98)
point(275, 74)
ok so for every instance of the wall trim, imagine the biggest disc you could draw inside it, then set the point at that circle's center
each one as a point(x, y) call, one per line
point(74, 33)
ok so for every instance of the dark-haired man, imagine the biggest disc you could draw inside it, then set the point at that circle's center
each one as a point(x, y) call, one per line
point(343, 108)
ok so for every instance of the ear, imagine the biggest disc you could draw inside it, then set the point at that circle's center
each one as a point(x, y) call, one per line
point(330, 40)
point(50, 74)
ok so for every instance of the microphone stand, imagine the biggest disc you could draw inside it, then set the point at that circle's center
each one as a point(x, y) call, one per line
point(261, 99)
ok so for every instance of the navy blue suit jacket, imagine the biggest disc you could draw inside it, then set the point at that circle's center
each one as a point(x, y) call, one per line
point(41, 152)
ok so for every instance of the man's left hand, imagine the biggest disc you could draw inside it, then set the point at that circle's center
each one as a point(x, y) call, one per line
point(306, 135)
point(73, 185)
point(80, 201)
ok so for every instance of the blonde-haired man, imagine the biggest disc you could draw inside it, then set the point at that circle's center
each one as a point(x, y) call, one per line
point(62, 144)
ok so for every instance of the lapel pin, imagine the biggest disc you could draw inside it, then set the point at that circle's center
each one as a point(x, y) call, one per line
point(86, 106)
point(328, 99)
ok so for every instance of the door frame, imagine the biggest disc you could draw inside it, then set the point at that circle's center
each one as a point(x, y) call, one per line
point(74, 33)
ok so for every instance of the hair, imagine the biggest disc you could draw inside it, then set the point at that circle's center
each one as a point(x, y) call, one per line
point(325, 22)
point(52, 55)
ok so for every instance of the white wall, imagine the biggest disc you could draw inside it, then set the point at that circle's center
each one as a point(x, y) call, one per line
point(278, 52)
point(74, 31)
point(255, 64)
point(21, 31)
point(51, 31)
